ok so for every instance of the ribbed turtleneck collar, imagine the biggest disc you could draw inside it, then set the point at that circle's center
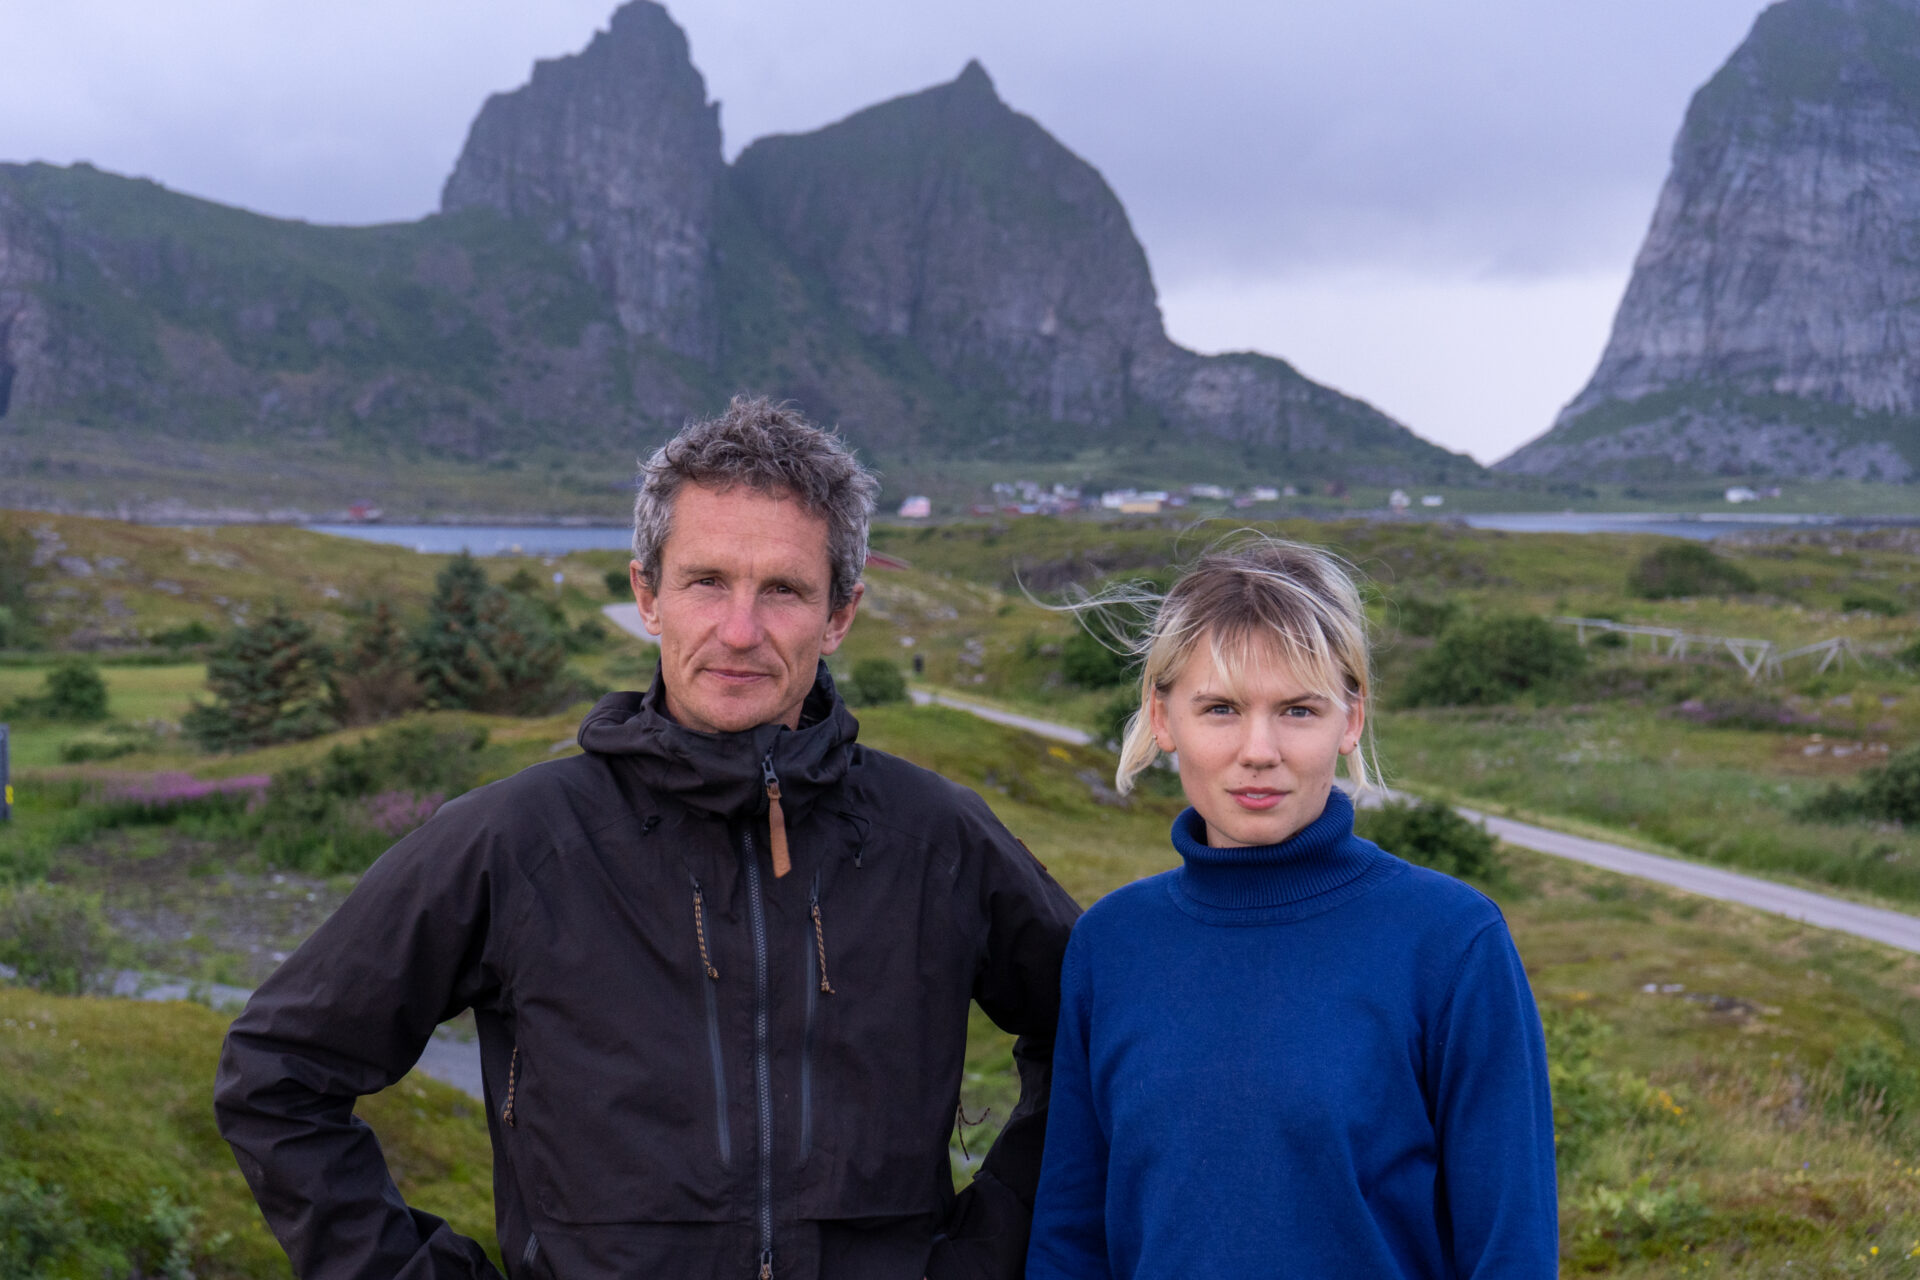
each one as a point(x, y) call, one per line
point(1319, 858)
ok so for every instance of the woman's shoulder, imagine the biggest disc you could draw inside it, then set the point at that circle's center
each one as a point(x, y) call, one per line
point(1438, 899)
point(1126, 907)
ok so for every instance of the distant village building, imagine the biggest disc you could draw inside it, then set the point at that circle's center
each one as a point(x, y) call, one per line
point(917, 507)
point(1142, 505)
point(1740, 493)
point(1267, 493)
point(1399, 501)
point(1212, 492)
point(1432, 500)
point(1289, 492)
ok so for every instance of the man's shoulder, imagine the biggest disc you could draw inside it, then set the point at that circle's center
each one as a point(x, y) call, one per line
point(540, 797)
point(889, 791)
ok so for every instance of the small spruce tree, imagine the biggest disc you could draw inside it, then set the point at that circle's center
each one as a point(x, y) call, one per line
point(376, 679)
point(485, 649)
point(272, 681)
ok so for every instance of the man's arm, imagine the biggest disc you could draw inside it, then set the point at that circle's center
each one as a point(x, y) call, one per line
point(1028, 919)
point(347, 1015)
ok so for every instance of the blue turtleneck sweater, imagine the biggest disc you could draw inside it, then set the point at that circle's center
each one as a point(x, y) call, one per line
point(1307, 1059)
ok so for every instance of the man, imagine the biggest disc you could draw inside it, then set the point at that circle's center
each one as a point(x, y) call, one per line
point(720, 963)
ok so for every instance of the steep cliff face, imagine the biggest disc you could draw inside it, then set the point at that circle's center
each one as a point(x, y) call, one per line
point(1772, 323)
point(947, 222)
point(947, 219)
point(615, 151)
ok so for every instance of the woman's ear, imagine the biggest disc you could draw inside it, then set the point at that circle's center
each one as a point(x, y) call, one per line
point(1157, 718)
point(1356, 725)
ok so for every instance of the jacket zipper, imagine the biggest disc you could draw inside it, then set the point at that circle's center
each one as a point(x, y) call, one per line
point(722, 1130)
point(806, 1041)
point(762, 1060)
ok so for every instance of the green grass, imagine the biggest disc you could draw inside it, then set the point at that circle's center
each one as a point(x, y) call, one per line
point(110, 1100)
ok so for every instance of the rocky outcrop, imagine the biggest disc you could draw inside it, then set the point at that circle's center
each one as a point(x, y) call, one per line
point(614, 151)
point(948, 221)
point(951, 221)
point(1770, 326)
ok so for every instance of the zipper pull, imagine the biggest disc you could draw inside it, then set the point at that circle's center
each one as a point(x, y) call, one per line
point(766, 1264)
point(776, 827)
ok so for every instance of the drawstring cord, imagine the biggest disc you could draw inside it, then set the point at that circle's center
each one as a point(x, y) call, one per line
point(513, 1073)
point(820, 941)
point(700, 931)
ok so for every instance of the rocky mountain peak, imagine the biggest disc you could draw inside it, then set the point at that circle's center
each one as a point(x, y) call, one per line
point(617, 150)
point(1768, 324)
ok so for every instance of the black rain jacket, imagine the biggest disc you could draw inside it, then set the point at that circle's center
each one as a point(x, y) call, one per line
point(693, 1068)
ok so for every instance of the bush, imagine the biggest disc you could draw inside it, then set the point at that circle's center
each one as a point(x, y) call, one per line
point(619, 584)
point(376, 680)
point(73, 691)
point(1110, 722)
point(54, 938)
point(1493, 659)
point(188, 635)
point(1433, 835)
point(485, 649)
point(16, 574)
point(1087, 661)
point(1866, 602)
point(875, 682)
point(39, 1229)
point(1889, 793)
point(271, 681)
point(1419, 616)
point(1686, 569)
point(110, 743)
point(343, 814)
point(1876, 1085)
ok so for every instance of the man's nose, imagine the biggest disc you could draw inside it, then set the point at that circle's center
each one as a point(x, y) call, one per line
point(740, 628)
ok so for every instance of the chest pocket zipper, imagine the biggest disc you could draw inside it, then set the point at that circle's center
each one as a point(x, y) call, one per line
point(723, 1132)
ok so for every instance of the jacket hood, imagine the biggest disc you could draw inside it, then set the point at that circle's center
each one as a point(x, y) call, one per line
point(720, 773)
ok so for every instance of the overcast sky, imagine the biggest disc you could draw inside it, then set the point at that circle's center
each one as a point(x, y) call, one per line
point(1431, 206)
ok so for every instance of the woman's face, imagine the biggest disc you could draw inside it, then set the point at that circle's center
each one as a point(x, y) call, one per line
point(1257, 754)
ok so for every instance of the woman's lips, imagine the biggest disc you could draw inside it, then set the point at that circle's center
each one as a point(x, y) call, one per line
point(1257, 800)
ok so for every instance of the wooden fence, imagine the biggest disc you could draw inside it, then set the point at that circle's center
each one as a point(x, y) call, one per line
point(1760, 659)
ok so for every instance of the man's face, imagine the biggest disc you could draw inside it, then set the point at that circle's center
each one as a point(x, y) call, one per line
point(742, 608)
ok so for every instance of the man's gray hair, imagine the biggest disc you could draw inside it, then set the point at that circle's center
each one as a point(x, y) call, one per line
point(771, 449)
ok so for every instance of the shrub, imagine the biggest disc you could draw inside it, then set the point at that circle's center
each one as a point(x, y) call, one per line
point(54, 938)
point(16, 574)
point(343, 814)
point(1110, 722)
point(73, 691)
point(1876, 1085)
point(1493, 659)
point(376, 680)
point(1086, 660)
point(1889, 793)
point(1433, 835)
point(1419, 616)
point(271, 681)
point(1686, 569)
point(875, 682)
point(185, 636)
point(39, 1229)
point(589, 635)
point(485, 649)
point(1866, 602)
point(619, 584)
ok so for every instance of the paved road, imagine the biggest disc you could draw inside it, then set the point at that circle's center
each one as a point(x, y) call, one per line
point(627, 618)
point(1045, 728)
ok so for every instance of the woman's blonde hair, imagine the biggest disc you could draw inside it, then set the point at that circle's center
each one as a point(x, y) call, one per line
point(1246, 597)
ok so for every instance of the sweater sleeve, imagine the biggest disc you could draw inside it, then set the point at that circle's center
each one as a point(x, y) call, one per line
point(1494, 1118)
point(1069, 1219)
point(346, 1015)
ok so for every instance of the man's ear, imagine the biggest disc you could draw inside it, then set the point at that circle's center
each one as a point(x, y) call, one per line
point(645, 597)
point(840, 621)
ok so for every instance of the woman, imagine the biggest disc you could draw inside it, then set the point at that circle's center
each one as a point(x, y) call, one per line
point(1294, 1055)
